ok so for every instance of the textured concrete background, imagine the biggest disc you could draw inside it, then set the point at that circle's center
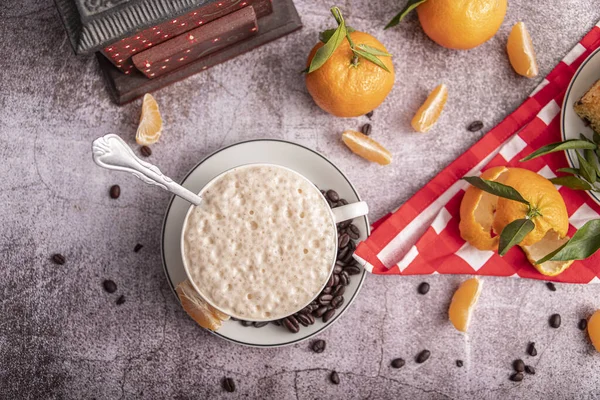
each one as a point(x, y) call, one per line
point(62, 336)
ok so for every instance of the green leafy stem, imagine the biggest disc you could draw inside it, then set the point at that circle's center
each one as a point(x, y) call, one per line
point(410, 5)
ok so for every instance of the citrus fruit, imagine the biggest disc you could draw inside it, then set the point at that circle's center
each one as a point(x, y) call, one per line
point(203, 313)
point(463, 302)
point(520, 51)
point(150, 125)
point(430, 111)
point(593, 328)
point(345, 89)
point(366, 147)
point(461, 24)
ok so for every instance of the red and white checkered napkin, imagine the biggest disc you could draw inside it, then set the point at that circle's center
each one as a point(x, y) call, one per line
point(422, 237)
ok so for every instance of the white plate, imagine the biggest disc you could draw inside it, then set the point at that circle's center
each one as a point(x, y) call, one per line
point(570, 123)
point(309, 163)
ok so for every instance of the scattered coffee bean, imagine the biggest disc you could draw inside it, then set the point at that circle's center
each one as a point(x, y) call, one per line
point(475, 126)
point(530, 370)
point(328, 315)
point(531, 350)
point(352, 270)
point(554, 321)
point(115, 191)
point(109, 286)
point(344, 202)
point(353, 232)
point(348, 257)
point(335, 378)
point(325, 299)
point(260, 324)
point(58, 259)
point(337, 301)
point(305, 319)
point(366, 129)
point(336, 279)
point(338, 290)
point(229, 385)
point(137, 247)
point(423, 356)
point(519, 365)
point(276, 322)
point(318, 346)
point(327, 290)
point(337, 268)
point(459, 363)
point(246, 323)
point(344, 278)
point(398, 363)
point(345, 224)
point(369, 114)
point(333, 196)
point(343, 240)
point(516, 377)
point(146, 151)
point(551, 286)
point(292, 324)
point(582, 324)
point(120, 300)
point(341, 256)
point(330, 281)
point(320, 311)
point(423, 288)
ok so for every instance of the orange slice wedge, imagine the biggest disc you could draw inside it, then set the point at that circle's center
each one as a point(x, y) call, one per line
point(463, 302)
point(593, 328)
point(150, 126)
point(203, 313)
point(430, 111)
point(520, 51)
point(366, 147)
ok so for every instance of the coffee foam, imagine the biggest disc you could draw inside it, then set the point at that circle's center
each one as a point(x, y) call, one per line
point(261, 244)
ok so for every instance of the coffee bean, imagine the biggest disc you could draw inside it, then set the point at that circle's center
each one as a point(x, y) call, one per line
point(475, 126)
point(516, 377)
point(423, 288)
point(423, 356)
point(459, 363)
point(292, 324)
point(246, 323)
point(519, 365)
point(120, 300)
point(109, 286)
point(318, 346)
point(306, 310)
point(58, 259)
point(351, 247)
point(333, 196)
point(337, 301)
point(398, 363)
point(229, 385)
point(369, 114)
point(344, 278)
point(328, 315)
point(344, 202)
point(337, 268)
point(531, 350)
point(345, 224)
point(146, 151)
point(327, 290)
point(137, 247)
point(353, 232)
point(335, 378)
point(260, 324)
point(530, 370)
point(551, 286)
point(341, 255)
point(320, 311)
point(325, 299)
point(582, 324)
point(343, 240)
point(330, 281)
point(366, 129)
point(276, 322)
point(336, 279)
point(310, 319)
point(352, 270)
point(302, 319)
point(115, 191)
point(554, 321)
point(338, 290)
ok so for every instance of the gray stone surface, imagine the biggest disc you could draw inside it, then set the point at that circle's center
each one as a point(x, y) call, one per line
point(62, 336)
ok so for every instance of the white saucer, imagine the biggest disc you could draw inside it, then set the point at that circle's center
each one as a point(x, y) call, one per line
point(309, 163)
point(570, 123)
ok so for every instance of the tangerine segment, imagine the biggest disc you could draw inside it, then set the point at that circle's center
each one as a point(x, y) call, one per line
point(430, 111)
point(366, 147)
point(203, 313)
point(520, 51)
point(593, 328)
point(150, 126)
point(463, 302)
point(547, 245)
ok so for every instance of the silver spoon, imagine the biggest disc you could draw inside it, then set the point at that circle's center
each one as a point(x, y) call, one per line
point(111, 152)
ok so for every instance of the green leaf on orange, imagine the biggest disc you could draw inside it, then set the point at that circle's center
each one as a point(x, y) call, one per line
point(410, 5)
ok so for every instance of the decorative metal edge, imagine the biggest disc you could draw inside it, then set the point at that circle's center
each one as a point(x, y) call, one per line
point(88, 35)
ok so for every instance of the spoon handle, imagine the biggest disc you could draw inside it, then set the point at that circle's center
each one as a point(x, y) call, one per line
point(111, 152)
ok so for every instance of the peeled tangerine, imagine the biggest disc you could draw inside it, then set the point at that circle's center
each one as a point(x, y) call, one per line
point(150, 126)
point(203, 313)
point(520, 51)
point(366, 147)
point(463, 303)
point(593, 328)
point(430, 111)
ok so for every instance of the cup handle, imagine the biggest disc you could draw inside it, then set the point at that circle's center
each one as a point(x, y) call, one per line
point(350, 211)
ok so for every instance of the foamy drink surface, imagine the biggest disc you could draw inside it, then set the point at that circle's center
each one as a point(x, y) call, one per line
point(261, 244)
